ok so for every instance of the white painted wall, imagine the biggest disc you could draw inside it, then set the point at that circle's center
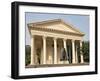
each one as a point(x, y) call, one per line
point(5, 41)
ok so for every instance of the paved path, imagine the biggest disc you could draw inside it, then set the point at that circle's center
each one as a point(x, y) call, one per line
point(55, 65)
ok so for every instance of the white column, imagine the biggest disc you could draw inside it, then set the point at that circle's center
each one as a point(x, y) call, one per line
point(64, 41)
point(55, 51)
point(81, 55)
point(76, 55)
point(32, 51)
point(44, 50)
point(73, 51)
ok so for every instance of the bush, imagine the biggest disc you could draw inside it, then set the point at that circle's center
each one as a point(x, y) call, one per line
point(27, 54)
point(85, 50)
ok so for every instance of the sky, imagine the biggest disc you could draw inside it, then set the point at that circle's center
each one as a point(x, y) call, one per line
point(80, 22)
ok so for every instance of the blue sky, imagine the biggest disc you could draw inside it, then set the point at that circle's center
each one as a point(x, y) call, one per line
point(80, 22)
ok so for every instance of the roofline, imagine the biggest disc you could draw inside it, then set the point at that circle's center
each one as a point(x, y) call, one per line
point(53, 30)
point(55, 20)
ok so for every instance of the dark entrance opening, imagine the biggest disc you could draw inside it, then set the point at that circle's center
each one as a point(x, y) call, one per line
point(38, 53)
point(69, 51)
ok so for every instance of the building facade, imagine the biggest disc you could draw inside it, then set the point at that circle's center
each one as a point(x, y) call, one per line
point(55, 42)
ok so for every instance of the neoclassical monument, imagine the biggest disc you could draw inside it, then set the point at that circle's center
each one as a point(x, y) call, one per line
point(55, 42)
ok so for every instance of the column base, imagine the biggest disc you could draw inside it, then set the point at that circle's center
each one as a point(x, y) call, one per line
point(55, 63)
point(32, 64)
point(74, 62)
point(66, 62)
point(82, 62)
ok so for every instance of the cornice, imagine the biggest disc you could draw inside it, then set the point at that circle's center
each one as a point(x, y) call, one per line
point(54, 31)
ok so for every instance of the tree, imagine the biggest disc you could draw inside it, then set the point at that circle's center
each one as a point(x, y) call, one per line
point(27, 54)
point(85, 50)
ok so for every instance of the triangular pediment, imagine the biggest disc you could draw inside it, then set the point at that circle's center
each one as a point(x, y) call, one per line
point(61, 27)
point(57, 24)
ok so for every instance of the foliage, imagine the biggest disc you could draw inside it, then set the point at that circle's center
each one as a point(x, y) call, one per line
point(85, 50)
point(27, 54)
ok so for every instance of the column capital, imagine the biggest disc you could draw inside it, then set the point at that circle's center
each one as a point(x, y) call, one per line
point(32, 36)
point(64, 39)
point(81, 40)
point(73, 40)
point(44, 36)
point(55, 38)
